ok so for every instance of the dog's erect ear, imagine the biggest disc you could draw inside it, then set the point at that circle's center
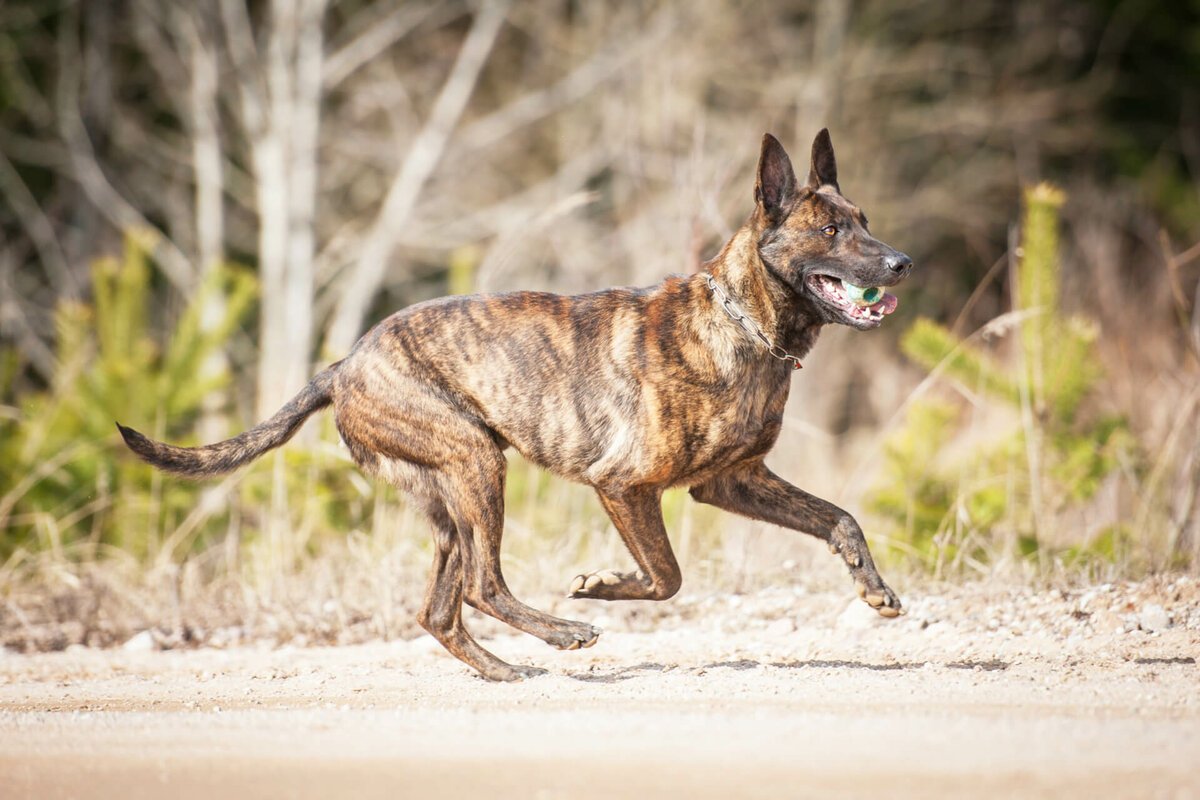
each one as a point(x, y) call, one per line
point(824, 165)
point(776, 185)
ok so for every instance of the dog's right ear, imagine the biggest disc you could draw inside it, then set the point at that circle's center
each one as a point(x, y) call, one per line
point(775, 188)
point(824, 165)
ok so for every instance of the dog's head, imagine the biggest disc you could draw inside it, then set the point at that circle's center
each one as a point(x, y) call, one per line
point(815, 241)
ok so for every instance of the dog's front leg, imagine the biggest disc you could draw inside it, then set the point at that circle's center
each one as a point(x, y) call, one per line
point(756, 492)
point(637, 515)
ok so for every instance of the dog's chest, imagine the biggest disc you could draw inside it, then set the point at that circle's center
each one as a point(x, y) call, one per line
point(709, 432)
point(745, 425)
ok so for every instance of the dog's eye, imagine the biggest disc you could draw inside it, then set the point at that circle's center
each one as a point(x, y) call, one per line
point(829, 230)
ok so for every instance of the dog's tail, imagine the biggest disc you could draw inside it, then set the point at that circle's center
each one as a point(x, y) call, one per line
point(226, 456)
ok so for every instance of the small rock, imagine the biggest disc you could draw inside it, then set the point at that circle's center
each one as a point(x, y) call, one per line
point(858, 616)
point(140, 643)
point(424, 644)
point(1154, 617)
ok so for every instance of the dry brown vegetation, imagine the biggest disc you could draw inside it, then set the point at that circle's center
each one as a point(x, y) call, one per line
point(358, 157)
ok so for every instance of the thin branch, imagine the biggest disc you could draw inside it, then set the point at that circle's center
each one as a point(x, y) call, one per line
point(1189, 321)
point(86, 170)
point(37, 225)
point(422, 159)
point(524, 207)
point(15, 323)
point(376, 37)
point(247, 66)
point(206, 140)
point(575, 85)
point(43, 470)
point(151, 33)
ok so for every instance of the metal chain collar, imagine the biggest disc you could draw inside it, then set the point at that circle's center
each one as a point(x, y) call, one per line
point(750, 326)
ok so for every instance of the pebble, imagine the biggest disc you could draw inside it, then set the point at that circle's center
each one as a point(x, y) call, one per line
point(1154, 617)
point(140, 643)
point(858, 616)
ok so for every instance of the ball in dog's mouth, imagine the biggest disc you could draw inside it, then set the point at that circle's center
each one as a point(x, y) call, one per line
point(863, 296)
point(869, 304)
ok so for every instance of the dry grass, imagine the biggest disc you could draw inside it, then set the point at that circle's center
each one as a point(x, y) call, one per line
point(597, 145)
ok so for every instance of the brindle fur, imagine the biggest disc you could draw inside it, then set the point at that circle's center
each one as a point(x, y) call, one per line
point(630, 391)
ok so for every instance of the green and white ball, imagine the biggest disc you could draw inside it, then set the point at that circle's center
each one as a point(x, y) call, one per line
point(861, 296)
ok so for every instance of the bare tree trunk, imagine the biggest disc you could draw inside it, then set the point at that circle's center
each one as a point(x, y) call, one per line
point(371, 269)
point(302, 193)
point(209, 198)
point(206, 148)
point(271, 192)
point(280, 108)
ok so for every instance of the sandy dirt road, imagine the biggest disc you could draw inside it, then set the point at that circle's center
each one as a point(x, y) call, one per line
point(761, 696)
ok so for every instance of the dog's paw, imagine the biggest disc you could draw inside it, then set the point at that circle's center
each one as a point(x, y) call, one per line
point(526, 671)
point(848, 543)
point(879, 597)
point(510, 673)
point(577, 637)
point(591, 585)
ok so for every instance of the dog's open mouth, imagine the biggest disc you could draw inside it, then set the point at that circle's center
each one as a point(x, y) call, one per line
point(834, 292)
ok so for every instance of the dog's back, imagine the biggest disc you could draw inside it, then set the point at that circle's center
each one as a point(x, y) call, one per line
point(624, 384)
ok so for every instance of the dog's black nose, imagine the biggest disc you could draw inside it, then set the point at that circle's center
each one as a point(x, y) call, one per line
point(898, 262)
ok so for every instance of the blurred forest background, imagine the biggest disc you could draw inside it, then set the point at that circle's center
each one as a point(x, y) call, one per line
point(202, 202)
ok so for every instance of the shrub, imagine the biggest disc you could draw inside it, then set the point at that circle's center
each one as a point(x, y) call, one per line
point(67, 477)
point(1003, 480)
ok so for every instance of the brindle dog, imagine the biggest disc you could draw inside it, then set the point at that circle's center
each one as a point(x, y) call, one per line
point(630, 391)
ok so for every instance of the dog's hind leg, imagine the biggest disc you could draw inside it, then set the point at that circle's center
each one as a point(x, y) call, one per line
point(475, 494)
point(441, 614)
point(637, 515)
point(756, 492)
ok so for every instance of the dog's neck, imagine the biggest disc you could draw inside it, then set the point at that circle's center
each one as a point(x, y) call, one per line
point(776, 307)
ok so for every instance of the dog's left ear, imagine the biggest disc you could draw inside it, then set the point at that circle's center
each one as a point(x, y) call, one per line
point(775, 188)
point(824, 165)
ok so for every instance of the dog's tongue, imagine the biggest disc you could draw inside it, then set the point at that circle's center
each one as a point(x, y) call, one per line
point(887, 305)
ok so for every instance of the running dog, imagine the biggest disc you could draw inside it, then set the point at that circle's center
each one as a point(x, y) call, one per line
point(630, 391)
